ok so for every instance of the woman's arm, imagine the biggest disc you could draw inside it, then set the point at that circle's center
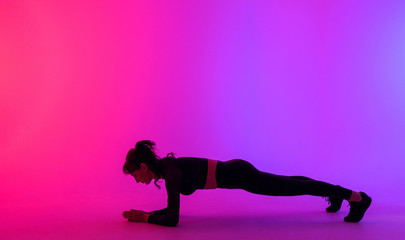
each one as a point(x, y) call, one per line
point(170, 217)
point(158, 212)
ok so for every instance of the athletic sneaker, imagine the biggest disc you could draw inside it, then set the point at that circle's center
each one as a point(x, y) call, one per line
point(357, 209)
point(335, 204)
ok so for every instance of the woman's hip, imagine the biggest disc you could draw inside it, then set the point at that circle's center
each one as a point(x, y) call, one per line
point(233, 173)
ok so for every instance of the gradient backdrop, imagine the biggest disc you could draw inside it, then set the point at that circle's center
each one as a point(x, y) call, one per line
point(313, 88)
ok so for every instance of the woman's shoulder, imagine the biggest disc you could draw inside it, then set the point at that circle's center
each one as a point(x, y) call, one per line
point(168, 162)
point(179, 159)
point(168, 166)
point(173, 162)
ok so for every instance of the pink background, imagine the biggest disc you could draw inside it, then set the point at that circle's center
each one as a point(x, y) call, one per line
point(313, 88)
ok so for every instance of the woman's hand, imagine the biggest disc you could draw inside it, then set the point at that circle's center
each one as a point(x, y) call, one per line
point(136, 215)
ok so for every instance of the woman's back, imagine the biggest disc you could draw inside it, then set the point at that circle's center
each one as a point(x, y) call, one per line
point(193, 171)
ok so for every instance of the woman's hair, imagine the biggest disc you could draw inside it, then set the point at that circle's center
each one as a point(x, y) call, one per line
point(144, 152)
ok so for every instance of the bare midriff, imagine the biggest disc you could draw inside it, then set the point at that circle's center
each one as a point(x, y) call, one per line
point(211, 182)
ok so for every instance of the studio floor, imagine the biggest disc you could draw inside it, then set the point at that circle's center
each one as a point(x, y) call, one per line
point(230, 215)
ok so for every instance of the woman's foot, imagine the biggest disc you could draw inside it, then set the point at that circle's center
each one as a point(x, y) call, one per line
point(335, 204)
point(357, 209)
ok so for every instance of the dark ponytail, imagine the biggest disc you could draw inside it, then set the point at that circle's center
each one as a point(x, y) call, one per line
point(144, 152)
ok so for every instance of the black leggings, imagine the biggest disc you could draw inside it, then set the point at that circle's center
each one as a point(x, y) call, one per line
point(240, 174)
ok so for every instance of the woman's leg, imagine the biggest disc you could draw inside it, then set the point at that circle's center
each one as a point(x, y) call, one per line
point(301, 178)
point(240, 174)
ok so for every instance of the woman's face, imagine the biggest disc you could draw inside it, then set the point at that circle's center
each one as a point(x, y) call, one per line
point(143, 174)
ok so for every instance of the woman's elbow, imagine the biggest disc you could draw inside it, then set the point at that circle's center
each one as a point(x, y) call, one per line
point(173, 223)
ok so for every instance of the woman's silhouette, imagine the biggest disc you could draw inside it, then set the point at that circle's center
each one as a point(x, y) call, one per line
point(186, 174)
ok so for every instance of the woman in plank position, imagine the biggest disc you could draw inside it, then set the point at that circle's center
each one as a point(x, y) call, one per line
point(186, 174)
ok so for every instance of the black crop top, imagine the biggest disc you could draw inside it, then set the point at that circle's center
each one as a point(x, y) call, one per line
point(182, 175)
